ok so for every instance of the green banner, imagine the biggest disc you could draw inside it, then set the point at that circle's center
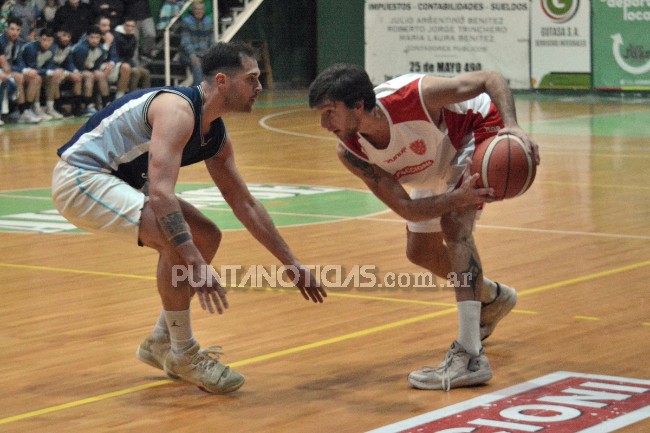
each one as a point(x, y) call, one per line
point(621, 44)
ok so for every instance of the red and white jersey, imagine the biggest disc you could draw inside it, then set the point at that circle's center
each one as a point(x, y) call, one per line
point(420, 154)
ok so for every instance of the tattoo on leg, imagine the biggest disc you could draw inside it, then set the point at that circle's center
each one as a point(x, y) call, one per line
point(473, 273)
point(175, 228)
point(368, 169)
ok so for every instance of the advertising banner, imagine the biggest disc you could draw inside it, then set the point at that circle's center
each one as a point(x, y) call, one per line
point(560, 44)
point(621, 38)
point(447, 38)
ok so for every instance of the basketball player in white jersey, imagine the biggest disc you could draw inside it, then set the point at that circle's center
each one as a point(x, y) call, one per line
point(117, 176)
point(418, 132)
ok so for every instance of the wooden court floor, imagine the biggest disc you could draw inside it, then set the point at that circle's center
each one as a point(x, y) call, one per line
point(576, 246)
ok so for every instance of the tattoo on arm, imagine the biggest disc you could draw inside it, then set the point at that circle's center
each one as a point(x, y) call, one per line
point(367, 169)
point(175, 228)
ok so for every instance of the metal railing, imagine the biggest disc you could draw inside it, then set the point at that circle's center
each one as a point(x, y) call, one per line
point(249, 7)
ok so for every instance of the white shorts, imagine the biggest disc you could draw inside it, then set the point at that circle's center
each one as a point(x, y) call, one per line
point(97, 202)
point(114, 74)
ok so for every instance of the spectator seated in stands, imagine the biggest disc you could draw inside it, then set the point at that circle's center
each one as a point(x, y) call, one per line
point(76, 17)
point(28, 85)
point(62, 59)
point(125, 45)
point(196, 37)
point(117, 72)
point(88, 56)
point(37, 56)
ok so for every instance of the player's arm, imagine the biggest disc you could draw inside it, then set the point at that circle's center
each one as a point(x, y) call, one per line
point(172, 121)
point(439, 91)
point(256, 219)
point(393, 194)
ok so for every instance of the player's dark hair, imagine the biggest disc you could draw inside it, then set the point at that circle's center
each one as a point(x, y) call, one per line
point(343, 82)
point(226, 57)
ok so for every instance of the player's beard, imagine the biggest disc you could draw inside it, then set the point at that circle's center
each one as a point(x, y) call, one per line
point(241, 105)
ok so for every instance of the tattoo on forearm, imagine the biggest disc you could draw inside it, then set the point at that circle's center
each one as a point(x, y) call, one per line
point(175, 228)
point(368, 169)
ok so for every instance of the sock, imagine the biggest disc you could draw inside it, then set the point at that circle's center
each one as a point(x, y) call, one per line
point(161, 326)
point(469, 326)
point(180, 330)
point(36, 105)
point(49, 104)
point(22, 107)
point(119, 94)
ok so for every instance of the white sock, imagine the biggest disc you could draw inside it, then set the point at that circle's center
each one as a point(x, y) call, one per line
point(469, 326)
point(49, 105)
point(119, 94)
point(180, 330)
point(161, 325)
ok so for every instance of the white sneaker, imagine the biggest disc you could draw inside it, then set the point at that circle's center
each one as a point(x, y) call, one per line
point(42, 114)
point(458, 369)
point(493, 312)
point(1, 122)
point(29, 116)
point(53, 113)
point(154, 350)
point(200, 367)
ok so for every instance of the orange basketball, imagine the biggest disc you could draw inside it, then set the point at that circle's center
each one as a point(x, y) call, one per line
point(503, 164)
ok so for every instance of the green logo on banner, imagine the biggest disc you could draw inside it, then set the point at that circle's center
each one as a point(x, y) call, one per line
point(560, 11)
point(289, 205)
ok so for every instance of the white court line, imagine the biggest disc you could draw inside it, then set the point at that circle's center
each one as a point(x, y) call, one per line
point(556, 150)
point(400, 221)
point(483, 226)
point(28, 197)
point(264, 125)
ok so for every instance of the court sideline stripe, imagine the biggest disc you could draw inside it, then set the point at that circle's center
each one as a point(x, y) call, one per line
point(284, 352)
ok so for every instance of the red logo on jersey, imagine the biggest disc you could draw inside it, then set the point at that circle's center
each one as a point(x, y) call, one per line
point(413, 169)
point(418, 147)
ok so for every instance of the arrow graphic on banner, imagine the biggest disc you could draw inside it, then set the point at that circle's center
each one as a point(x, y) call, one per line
point(616, 48)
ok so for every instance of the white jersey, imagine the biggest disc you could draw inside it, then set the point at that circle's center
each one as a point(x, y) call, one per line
point(420, 154)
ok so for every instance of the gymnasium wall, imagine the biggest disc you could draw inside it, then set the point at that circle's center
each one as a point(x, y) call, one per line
point(537, 44)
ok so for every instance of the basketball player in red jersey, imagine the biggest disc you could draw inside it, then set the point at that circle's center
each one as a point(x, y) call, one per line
point(418, 131)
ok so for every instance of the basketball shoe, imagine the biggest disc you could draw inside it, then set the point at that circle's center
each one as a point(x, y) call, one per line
point(201, 367)
point(493, 312)
point(154, 350)
point(458, 369)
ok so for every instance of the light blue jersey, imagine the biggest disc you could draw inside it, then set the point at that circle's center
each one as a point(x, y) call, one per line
point(117, 138)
